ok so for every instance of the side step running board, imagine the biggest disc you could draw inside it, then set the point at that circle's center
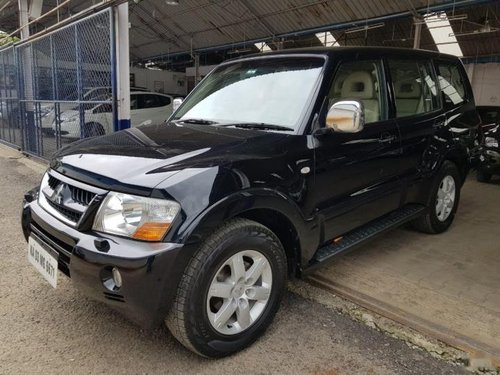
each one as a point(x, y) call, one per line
point(363, 234)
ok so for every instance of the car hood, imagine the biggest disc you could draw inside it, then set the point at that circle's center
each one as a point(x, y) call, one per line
point(139, 159)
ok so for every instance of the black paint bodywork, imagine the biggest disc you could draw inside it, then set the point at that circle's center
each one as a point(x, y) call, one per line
point(489, 155)
point(307, 188)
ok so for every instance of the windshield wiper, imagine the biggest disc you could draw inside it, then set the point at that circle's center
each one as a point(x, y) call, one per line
point(259, 125)
point(197, 121)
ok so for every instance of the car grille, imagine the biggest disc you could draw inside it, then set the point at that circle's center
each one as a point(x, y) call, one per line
point(66, 212)
point(81, 196)
point(66, 199)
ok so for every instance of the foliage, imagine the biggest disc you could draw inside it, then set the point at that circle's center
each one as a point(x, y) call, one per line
point(6, 39)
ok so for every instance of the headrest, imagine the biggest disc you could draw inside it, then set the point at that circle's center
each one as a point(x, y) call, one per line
point(408, 90)
point(358, 85)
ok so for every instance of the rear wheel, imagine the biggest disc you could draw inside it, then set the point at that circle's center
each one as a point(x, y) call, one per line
point(483, 176)
point(230, 291)
point(443, 200)
point(93, 130)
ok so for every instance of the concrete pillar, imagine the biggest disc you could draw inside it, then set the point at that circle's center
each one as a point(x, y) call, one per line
point(122, 66)
point(197, 77)
point(30, 138)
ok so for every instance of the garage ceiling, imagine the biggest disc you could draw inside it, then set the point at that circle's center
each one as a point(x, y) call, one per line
point(230, 27)
point(160, 29)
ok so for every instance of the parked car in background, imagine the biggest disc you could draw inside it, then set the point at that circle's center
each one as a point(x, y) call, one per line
point(489, 139)
point(273, 166)
point(94, 94)
point(145, 108)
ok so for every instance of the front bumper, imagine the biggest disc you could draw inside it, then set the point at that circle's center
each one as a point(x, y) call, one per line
point(489, 160)
point(150, 271)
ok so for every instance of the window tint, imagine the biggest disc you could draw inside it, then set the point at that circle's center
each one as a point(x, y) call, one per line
point(164, 100)
point(148, 101)
point(360, 80)
point(103, 108)
point(134, 102)
point(452, 84)
point(489, 115)
point(414, 87)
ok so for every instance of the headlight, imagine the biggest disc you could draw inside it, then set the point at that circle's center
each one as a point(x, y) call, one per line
point(491, 142)
point(140, 218)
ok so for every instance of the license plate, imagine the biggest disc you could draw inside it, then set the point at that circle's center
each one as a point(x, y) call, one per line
point(40, 256)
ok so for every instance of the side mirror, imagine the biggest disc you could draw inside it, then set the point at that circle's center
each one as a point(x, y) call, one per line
point(176, 104)
point(346, 116)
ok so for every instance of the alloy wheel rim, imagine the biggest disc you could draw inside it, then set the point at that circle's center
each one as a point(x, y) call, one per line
point(445, 199)
point(239, 292)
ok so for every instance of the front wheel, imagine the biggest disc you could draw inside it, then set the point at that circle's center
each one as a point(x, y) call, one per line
point(444, 196)
point(230, 291)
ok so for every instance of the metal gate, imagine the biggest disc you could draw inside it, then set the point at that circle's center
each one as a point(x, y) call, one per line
point(62, 86)
point(10, 129)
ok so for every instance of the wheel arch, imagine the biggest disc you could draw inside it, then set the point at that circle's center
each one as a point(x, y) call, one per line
point(284, 229)
point(268, 208)
point(460, 158)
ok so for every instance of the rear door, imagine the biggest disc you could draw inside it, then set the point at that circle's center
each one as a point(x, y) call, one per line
point(418, 113)
point(356, 175)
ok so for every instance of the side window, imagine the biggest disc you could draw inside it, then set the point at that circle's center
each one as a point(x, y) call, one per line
point(164, 100)
point(148, 101)
point(415, 90)
point(103, 108)
point(361, 80)
point(452, 84)
point(134, 102)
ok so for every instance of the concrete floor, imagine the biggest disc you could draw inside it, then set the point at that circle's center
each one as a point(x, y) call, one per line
point(446, 285)
point(59, 331)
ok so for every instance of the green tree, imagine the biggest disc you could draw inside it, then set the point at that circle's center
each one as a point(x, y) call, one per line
point(6, 39)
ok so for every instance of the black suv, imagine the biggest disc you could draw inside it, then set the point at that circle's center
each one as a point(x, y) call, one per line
point(489, 138)
point(272, 166)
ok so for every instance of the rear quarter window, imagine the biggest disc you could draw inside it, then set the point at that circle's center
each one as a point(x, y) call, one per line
point(452, 84)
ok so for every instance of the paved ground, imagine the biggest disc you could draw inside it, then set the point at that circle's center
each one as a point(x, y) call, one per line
point(43, 330)
point(447, 284)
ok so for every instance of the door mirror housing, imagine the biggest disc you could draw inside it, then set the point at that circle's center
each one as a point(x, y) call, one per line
point(177, 103)
point(346, 116)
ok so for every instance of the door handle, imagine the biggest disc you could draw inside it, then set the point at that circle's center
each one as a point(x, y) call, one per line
point(387, 138)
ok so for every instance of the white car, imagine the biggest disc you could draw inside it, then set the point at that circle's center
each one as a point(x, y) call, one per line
point(145, 107)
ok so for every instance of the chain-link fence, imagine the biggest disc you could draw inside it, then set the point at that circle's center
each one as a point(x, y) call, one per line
point(59, 87)
point(10, 129)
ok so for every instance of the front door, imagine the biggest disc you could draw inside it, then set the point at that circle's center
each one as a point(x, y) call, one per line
point(356, 175)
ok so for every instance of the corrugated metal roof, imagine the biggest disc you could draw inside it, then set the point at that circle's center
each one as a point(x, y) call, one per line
point(162, 30)
point(159, 29)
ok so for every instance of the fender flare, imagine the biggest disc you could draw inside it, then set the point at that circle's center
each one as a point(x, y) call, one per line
point(245, 201)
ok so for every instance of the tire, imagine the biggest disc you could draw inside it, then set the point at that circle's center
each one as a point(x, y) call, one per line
point(193, 316)
point(483, 176)
point(441, 211)
point(93, 129)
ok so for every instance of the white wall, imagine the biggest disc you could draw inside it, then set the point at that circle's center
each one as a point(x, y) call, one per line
point(204, 70)
point(160, 80)
point(485, 80)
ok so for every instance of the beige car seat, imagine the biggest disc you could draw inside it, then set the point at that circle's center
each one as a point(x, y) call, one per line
point(360, 85)
point(408, 98)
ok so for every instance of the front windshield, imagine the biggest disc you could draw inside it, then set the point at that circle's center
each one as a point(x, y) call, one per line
point(95, 98)
point(489, 115)
point(271, 91)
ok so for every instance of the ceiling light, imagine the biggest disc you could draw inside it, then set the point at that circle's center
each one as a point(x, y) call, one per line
point(172, 2)
point(263, 47)
point(327, 39)
point(440, 28)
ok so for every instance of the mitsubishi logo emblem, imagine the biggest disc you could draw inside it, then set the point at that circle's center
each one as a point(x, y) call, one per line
point(58, 196)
